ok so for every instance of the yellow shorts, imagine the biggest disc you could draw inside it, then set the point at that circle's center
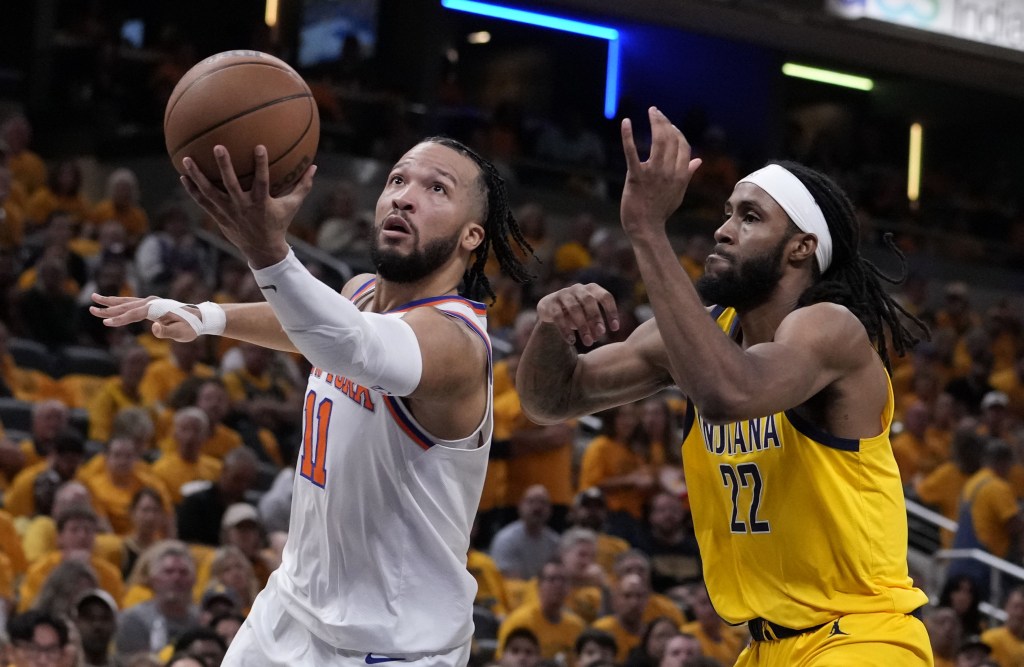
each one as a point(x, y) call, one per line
point(855, 640)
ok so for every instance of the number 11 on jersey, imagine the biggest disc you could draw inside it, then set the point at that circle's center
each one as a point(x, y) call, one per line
point(317, 418)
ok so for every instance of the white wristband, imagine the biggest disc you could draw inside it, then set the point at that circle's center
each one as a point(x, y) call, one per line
point(211, 320)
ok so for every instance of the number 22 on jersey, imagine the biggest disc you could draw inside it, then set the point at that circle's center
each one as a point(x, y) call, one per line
point(745, 475)
point(313, 464)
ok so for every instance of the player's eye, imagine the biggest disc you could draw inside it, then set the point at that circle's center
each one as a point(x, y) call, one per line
point(437, 187)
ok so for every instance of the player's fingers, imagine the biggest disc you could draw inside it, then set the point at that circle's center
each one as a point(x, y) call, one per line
point(664, 141)
point(610, 309)
point(575, 314)
point(694, 165)
point(305, 184)
point(119, 317)
point(592, 311)
point(629, 146)
point(228, 177)
point(106, 300)
point(173, 328)
point(192, 171)
point(117, 306)
point(564, 326)
point(261, 177)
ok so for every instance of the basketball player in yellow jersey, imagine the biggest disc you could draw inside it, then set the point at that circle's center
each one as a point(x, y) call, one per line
point(795, 493)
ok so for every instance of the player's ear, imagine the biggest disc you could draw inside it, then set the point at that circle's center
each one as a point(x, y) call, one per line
point(472, 236)
point(804, 249)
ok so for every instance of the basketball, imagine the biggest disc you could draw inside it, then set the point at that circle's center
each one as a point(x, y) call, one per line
point(240, 99)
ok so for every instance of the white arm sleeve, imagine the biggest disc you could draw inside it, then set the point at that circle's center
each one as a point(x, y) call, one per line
point(377, 351)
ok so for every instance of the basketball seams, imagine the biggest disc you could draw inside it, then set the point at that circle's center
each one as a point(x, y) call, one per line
point(204, 75)
point(265, 105)
point(285, 153)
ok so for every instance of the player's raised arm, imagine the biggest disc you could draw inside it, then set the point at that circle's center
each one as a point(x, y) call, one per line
point(250, 322)
point(557, 383)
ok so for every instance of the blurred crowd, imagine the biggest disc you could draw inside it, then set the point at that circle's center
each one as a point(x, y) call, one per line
point(146, 484)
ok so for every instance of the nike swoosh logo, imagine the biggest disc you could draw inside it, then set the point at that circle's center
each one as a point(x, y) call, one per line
point(372, 659)
point(273, 287)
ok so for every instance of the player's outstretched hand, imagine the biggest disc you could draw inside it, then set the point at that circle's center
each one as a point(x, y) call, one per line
point(251, 219)
point(584, 310)
point(118, 311)
point(654, 188)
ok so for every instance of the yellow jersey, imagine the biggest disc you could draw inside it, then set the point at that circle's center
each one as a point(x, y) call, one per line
point(799, 526)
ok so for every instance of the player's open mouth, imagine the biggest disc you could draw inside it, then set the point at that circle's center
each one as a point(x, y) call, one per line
point(395, 226)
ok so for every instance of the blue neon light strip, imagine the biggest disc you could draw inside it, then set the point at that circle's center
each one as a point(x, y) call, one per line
point(611, 87)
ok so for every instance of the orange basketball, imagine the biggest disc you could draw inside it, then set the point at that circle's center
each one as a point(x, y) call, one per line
point(240, 99)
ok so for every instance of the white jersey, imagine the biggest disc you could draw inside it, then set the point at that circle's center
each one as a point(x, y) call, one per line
point(381, 514)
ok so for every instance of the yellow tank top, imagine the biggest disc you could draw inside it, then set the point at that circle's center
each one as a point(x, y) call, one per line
point(795, 525)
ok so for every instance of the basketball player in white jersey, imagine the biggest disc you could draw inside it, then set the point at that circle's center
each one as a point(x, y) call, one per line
point(397, 409)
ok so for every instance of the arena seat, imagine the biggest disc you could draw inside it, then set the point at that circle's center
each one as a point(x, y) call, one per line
point(83, 360)
point(31, 354)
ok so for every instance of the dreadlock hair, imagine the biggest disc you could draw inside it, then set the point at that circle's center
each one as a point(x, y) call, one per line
point(851, 280)
point(500, 228)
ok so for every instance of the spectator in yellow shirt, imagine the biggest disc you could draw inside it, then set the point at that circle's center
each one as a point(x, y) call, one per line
point(151, 520)
point(1007, 641)
point(134, 424)
point(590, 511)
point(26, 166)
point(615, 462)
point(261, 394)
point(114, 488)
point(63, 192)
point(555, 627)
point(186, 463)
point(990, 518)
point(941, 488)
point(574, 254)
point(637, 562)
point(626, 622)
point(587, 581)
point(76, 537)
point(122, 204)
point(40, 535)
point(717, 639)
point(212, 398)
point(490, 585)
point(118, 393)
point(163, 376)
point(33, 489)
point(49, 418)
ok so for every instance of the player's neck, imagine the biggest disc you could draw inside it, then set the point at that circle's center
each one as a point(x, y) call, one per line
point(759, 323)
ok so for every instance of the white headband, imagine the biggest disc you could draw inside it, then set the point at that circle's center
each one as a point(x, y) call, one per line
point(797, 201)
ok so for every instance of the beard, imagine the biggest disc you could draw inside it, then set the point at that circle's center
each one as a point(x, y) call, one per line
point(747, 285)
point(415, 266)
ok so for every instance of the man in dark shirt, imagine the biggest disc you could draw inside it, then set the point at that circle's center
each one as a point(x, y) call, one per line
point(200, 513)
